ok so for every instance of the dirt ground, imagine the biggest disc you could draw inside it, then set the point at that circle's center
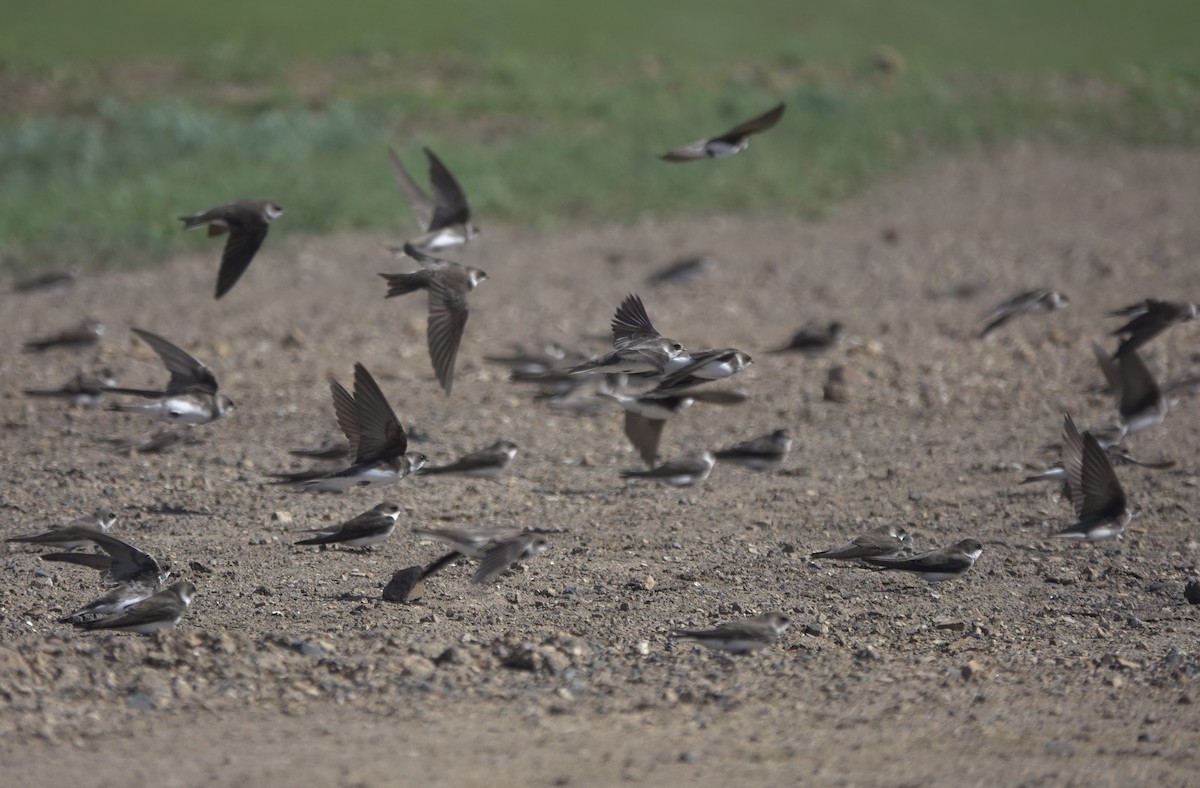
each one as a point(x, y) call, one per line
point(1047, 664)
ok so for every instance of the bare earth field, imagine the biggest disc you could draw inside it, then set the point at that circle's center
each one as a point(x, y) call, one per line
point(1048, 664)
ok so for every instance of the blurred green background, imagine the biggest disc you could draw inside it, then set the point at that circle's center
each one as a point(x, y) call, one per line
point(118, 116)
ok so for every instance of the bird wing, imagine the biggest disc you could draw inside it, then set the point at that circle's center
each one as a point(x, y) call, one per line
point(188, 374)
point(246, 234)
point(447, 319)
point(380, 433)
point(422, 206)
point(451, 206)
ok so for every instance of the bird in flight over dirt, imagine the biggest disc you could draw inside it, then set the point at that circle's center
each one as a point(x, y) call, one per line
point(445, 218)
point(246, 222)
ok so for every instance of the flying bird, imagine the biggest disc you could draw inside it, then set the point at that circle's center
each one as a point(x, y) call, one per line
point(377, 441)
point(733, 141)
point(246, 222)
point(1149, 318)
point(1101, 508)
point(125, 563)
point(497, 548)
point(448, 284)
point(445, 219)
point(191, 395)
point(1032, 302)
point(638, 347)
point(65, 537)
point(742, 636)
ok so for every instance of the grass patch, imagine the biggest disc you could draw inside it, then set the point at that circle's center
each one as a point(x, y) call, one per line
point(161, 110)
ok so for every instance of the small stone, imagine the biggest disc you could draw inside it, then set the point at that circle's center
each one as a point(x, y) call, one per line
point(417, 666)
point(283, 518)
point(199, 568)
point(838, 384)
point(955, 625)
point(650, 583)
point(973, 669)
point(817, 628)
point(1191, 592)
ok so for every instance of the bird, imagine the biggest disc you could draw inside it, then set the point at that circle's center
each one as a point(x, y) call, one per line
point(497, 548)
point(638, 347)
point(159, 611)
point(246, 222)
point(935, 566)
point(1147, 319)
point(85, 389)
point(740, 637)
point(885, 541)
point(377, 441)
point(84, 334)
point(1117, 455)
point(65, 537)
point(683, 271)
point(367, 529)
point(733, 141)
point(682, 471)
point(1140, 401)
point(764, 453)
point(645, 418)
point(125, 564)
point(1101, 508)
point(487, 463)
point(813, 338)
point(445, 219)
point(1039, 301)
point(114, 601)
point(56, 279)
point(704, 366)
point(191, 395)
point(448, 284)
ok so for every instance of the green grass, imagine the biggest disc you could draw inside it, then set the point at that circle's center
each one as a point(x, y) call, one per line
point(549, 113)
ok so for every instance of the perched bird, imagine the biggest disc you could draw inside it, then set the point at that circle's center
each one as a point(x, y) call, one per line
point(445, 219)
point(742, 636)
point(377, 441)
point(160, 611)
point(85, 389)
point(1031, 302)
point(115, 601)
point(935, 565)
point(56, 279)
point(125, 564)
point(684, 271)
point(682, 471)
point(885, 541)
point(813, 338)
point(247, 222)
point(637, 345)
point(191, 395)
point(448, 284)
point(84, 334)
point(1147, 319)
point(65, 536)
point(367, 529)
point(733, 141)
point(764, 453)
point(496, 548)
point(487, 463)
point(1101, 508)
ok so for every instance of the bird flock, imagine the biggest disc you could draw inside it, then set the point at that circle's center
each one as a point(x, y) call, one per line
point(651, 377)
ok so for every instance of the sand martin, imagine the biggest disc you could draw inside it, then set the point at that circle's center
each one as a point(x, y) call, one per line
point(935, 565)
point(638, 347)
point(497, 548)
point(1032, 302)
point(1148, 319)
point(448, 284)
point(115, 601)
point(247, 222)
point(487, 463)
point(813, 338)
point(85, 389)
point(1101, 509)
point(526, 365)
point(377, 441)
point(160, 611)
point(81, 335)
point(885, 541)
point(742, 636)
point(65, 537)
point(445, 220)
point(126, 563)
point(57, 280)
point(191, 395)
point(645, 418)
point(367, 529)
point(705, 366)
point(1140, 401)
point(733, 141)
point(684, 271)
point(682, 471)
point(1117, 454)
point(764, 453)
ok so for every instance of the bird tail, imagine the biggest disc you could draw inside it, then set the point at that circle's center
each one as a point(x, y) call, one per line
point(402, 284)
